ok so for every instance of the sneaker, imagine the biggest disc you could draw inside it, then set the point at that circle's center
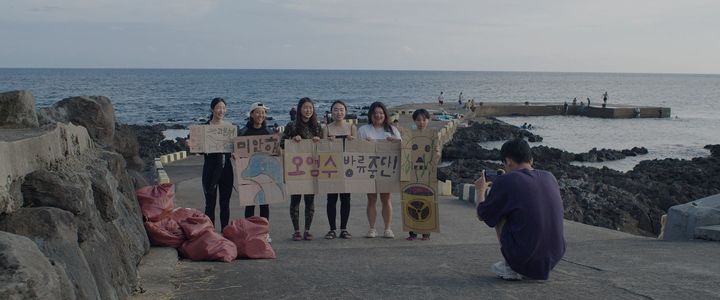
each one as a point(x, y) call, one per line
point(425, 236)
point(269, 240)
point(504, 271)
point(297, 236)
point(330, 235)
point(371, 233)
point(307, 236)
point(345, 235)
point(388, 234)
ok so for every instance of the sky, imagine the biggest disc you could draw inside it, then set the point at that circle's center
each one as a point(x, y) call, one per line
point(628, 36)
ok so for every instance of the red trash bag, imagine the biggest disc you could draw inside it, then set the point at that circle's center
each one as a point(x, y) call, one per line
point(209, 245)
point(250, 237)
point(181, 213)
point(195, 225)
point(156, 201)
point(165, 233)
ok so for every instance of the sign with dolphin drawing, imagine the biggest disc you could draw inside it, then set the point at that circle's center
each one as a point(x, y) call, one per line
point(258, 172)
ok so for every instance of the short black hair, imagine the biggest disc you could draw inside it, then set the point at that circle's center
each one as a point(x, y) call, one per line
point(517, 149)
point(421, 112)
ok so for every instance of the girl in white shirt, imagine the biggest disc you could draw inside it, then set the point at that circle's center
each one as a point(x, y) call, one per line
point(379, 128)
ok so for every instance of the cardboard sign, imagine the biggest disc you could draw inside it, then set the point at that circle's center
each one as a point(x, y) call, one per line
point(355, 163)
point(259, 179)
point(300, 168)
point(331, 178)
point(386, 166)
point(244, 146)
point(419, 181)
point(212, 138)
point(420, 208)
point(419, 156)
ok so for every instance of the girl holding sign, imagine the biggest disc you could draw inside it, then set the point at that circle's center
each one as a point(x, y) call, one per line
point(379, 128)
point(339, 129)
point(305, 126)
point(217, 171)
point(257, 125)
point(421, 117)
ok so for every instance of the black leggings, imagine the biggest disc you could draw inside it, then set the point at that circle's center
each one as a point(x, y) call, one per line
point(264, 211)
point(217, 176)
point(295, 210)
point(344, 210)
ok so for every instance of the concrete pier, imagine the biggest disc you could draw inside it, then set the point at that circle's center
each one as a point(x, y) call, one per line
point(507, 109)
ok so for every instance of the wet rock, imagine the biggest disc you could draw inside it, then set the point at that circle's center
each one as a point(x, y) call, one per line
point(25, 272)
point(714, 150)
point(496, 131)
point(17, 110)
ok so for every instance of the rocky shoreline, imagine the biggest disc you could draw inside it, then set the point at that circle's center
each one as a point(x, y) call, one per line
point(632, 202)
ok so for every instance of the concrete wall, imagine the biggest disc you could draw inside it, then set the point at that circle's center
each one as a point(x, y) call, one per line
point(38, 149)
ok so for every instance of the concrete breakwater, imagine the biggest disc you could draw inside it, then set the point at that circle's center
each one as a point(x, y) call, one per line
point(536, 109)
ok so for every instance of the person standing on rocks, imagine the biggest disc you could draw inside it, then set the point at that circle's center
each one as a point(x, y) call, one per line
point(217, 171)
point(339, 129)
point(441, 99)
point(526, 210)
point(305, 126)
point(379, 128)
point(588, 100)
point(460, 99)
point(257, 125)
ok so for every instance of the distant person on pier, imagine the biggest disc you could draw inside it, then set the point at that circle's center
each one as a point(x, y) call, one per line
point(441, 99)
point(575, 101)
point(565, 108)
point(293, 113)
point(605, 95)
point(526, 210)
point(588, 99)
point(460, 99)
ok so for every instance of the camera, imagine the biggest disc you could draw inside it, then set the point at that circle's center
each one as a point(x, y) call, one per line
point(491, 175)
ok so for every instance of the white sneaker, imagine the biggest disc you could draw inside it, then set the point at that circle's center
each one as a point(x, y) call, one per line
point(504, 271)
point(269, 240)
point(371, 233)
point(389, 234)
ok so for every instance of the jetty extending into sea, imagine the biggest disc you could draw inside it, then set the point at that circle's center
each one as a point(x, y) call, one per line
point(536, 109)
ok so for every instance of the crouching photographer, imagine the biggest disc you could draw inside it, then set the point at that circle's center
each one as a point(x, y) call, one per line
point(526, 210)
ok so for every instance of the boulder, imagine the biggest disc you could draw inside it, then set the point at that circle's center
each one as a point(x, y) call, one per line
point(17, 110)
point(683, 220)
point(68, 191)
point(55, 233)
point(25, 272)
point(126, 143)
point(95, 113)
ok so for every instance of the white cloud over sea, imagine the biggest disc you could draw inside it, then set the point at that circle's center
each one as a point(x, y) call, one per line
point(519, 35)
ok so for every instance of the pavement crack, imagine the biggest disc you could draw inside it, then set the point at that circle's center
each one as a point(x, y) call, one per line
point(583, 265)
point(632, 292)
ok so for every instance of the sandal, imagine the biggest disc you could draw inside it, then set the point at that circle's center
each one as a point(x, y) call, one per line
point(296, 236)
point(330, 235)
point(411, 238)
point(307, 236)
point(425, 237)
point(345, 234)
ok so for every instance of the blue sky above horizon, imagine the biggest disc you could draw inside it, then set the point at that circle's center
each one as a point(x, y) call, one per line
point(639, 36)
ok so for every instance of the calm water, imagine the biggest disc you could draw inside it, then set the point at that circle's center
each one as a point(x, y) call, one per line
point(141, 95)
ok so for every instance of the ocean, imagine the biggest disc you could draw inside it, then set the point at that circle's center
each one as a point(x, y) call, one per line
point(182, 96)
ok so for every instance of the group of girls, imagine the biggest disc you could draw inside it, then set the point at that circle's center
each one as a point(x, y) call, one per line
point(218, 173)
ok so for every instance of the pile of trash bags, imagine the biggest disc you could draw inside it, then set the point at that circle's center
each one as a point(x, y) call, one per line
point(192, 232)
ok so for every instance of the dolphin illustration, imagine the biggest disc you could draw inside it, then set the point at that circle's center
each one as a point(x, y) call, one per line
point(264, 164)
